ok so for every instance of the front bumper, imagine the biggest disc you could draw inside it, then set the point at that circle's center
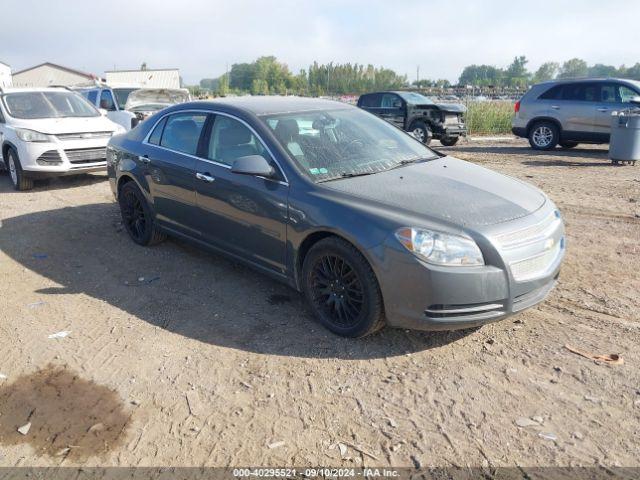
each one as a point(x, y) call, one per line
point(422, 296)
point(59, 158)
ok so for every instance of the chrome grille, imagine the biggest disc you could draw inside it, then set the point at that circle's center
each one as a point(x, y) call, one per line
point(50, 157)
point(531, 234)
point(87, 155)
point(83, 135)
point(538, 265)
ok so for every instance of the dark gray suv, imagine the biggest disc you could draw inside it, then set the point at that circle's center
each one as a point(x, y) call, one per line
point(568, 112)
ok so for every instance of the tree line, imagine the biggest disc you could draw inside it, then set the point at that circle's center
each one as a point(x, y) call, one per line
point(268, 76)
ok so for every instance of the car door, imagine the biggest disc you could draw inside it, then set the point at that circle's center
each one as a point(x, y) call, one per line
point(169, 162)
point(577, 108)
point(242, 214)
point(614, 97)
point(2, 129)
point(392, 109)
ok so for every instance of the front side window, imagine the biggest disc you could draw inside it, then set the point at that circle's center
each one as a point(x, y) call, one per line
point(230, 140)
point(48, 104)
point(391, 100)
point(581, 92)
point(416, 98)
point(106, 100)
point(626, 94)
point(609, 93)
point(332, 144)
point(182, 132)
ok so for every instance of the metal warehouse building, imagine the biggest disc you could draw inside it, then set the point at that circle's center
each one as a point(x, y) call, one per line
point(47, 74)
point(5, 75)
point(157, 78)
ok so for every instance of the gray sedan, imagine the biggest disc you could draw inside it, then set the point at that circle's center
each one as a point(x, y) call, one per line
point(371, 225)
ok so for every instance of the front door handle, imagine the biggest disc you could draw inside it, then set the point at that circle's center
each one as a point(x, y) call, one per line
point(205, 177)
point(555, 107)
point(603, 109)
point(144, 159)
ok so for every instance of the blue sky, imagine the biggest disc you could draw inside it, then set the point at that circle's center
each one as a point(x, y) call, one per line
point(201, 37)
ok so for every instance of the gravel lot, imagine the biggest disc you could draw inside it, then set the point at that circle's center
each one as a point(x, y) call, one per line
point(180, 357)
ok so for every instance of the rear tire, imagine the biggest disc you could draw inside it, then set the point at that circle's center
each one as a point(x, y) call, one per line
point(137, 216)
point(342, 289)
point(449, 141)
point(421, 132)
point(544, 136)
point(568, 144)
point(18, 178)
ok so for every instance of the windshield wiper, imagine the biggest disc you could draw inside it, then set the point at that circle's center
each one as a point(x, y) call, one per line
point(347, 175)
point(409, 161)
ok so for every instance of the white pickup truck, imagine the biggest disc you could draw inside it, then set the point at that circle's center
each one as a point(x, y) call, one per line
point(112, 99)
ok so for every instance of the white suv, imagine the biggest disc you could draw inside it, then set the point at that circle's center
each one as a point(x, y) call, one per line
point(48, 132)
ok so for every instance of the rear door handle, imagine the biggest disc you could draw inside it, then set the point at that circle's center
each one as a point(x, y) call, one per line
point(205, 177)
point(144, 159)
point(603, 109)
point(555, 107)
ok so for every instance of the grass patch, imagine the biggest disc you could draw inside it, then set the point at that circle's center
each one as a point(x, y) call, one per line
point(489, 118)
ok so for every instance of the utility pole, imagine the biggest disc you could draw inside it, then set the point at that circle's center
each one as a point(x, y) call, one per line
point(417, 75)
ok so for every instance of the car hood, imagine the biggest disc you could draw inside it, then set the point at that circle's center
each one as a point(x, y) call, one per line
point(446, 189)
point(164, 96)
point(54, 126)
point(452, 107)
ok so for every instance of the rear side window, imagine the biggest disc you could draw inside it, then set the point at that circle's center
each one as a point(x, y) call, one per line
point(182, 132)
point(554, 93)
point(156, 135)
point(581, 92)
point(370, 101)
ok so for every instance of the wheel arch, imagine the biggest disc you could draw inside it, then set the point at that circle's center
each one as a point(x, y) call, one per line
point(6, 145)
point(309, 241)
point(533, 121)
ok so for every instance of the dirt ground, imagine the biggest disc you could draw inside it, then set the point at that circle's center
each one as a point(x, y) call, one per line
point(175, 356)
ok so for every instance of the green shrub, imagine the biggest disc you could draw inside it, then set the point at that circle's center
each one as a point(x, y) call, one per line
point(489, 118)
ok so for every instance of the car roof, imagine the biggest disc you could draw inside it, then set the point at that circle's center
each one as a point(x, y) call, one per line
point(560, 81)
point(33, 89)
point(268, 105)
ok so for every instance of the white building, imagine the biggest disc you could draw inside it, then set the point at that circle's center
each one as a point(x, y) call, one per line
point(156, 78)
point(5, 75)
point(47, 74)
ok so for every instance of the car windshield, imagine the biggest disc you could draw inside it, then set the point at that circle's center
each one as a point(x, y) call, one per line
point(333, 144)
point(31, 105)
point(122, 94)
point(416, 98)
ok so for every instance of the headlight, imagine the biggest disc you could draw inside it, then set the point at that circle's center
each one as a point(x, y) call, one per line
point(440, 248)
point(32, 136)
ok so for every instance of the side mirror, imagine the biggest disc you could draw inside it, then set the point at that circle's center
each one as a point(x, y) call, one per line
point(635, 100)
point(255, 165)
point(103, 112)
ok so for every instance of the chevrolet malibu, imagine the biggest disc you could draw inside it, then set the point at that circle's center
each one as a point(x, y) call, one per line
point(370, 224)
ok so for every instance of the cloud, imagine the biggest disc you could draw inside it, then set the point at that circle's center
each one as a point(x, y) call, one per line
point(203, 37)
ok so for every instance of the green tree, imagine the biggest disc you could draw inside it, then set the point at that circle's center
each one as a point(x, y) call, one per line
point(547, 71)
point(574, 68)
point(481, 75)
point(600, 70)
point(516, 74)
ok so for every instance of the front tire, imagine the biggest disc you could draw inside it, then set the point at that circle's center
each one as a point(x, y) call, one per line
point(342, 289)
point(18, 178)
point(544, 136)
point(137, 216)
point(449, 141)
point(421, 132)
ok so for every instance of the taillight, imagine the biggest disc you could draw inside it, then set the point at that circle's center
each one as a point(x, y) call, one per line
point(516, 107)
